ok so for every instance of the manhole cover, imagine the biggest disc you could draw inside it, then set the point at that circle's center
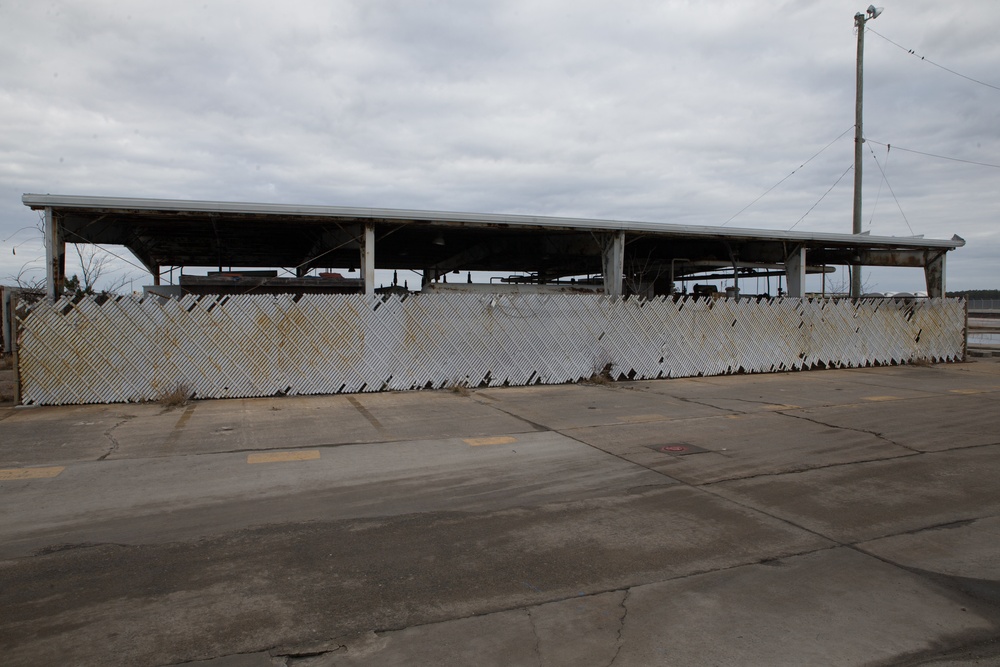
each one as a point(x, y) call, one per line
point(677, 449)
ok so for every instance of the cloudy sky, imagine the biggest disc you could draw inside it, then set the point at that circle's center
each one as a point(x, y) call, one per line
point(669, 111)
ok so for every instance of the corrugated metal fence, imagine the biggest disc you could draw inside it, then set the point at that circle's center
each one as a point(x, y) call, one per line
point(131, 349)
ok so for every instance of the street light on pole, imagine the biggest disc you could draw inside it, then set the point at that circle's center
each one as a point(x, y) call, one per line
point(859, 21)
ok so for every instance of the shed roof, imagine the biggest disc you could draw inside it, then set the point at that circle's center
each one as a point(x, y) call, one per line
point(168, 232)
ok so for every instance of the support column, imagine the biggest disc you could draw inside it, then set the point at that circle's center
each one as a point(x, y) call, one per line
point(156, 274)
point(368, 258)
point(935, 276)
point(55, 256)
point(795, 270)
point(613, 262)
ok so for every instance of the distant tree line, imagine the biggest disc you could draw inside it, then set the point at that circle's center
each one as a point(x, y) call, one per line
point(976, 293)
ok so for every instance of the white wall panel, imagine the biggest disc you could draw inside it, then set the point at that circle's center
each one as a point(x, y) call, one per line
point(131, 349)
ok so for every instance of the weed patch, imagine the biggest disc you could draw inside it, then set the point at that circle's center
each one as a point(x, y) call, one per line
point(176, 397)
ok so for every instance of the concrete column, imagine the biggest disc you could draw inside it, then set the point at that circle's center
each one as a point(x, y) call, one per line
point(613, 262)
point(368, 258)
point(795, 271)
point(55, 256)
point(935, 276)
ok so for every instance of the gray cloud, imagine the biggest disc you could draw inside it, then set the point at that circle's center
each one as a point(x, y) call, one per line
point(670, 111)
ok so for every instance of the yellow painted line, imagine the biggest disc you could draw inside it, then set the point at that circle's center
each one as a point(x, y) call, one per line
point(30, 473)
point(782, 406)
point(881, 398)
point(496, 440)
point(641, 419)
point(970, 391)
point(277, 457)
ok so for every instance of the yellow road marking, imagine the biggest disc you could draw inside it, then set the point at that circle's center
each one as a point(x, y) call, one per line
point(781, 406)
point(496, 440)
point(30, 473)
point(276, 457)
point(641, 419)
point(881, 398)
point(969, 391)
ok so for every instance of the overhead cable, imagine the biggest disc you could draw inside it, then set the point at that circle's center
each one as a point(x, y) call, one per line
point(849, 167)
point(942, 157)
point(924, 58)
point(786, 177)
point(888, 185)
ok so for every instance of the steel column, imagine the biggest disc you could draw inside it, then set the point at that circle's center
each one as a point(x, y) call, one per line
point(613, 263)
point(368, 258)
point(795, 270)
point(934, 274)
point(55, 256)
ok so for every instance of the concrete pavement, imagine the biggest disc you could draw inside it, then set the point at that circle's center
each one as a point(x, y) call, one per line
point(842, 517)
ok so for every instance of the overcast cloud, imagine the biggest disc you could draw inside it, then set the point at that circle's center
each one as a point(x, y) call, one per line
point(669, 111)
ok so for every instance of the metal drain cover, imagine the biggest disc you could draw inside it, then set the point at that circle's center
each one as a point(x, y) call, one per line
point(678, 449)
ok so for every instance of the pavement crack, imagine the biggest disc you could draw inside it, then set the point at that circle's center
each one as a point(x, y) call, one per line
point(687, 399)
point(493, 404)
point(538, 640)
point(619, 640)
point(848, 428)
point(684, 399)
point(617, 456)
point(799, 471)
point(110, 435)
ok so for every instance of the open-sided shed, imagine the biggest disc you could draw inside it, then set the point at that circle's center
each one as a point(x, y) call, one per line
point(262, 342)
point(647, 256)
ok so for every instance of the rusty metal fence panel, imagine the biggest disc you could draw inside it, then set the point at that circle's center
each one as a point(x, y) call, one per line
point(131, 349)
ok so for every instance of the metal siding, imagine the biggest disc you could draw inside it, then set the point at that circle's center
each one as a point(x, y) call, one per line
point(131, 349)
point(356, 214)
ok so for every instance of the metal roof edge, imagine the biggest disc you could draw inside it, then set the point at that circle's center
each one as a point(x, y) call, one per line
point(38, 201)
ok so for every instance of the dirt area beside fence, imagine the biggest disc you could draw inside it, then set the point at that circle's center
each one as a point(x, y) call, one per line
point(7, 389)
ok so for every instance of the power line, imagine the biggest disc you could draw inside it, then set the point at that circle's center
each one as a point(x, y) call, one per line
point(924, 58)
point(942, 157)
point(849, 167)
point(888, 185)
point(786, 178)
point(878, 195)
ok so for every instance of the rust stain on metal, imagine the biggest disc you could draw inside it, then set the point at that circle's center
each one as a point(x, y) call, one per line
point(129, 349)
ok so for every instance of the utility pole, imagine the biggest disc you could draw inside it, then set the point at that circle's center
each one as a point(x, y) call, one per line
point(859, 21)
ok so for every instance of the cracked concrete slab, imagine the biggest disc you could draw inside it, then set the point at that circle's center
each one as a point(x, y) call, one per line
point(739, 446)
point(290, 584)
point(830, 607)
point(866, 501)
point(969, 549)
point(203, 427)
point(753, 393)
point(496, 640)
point(928, 424)
point(240, 660)
point(568, 633)
point(576, 554)
point(937, 378)
point(591, 405)
point(580, 631)
point(53, 436)
point(167, 498)
point(834, 607)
